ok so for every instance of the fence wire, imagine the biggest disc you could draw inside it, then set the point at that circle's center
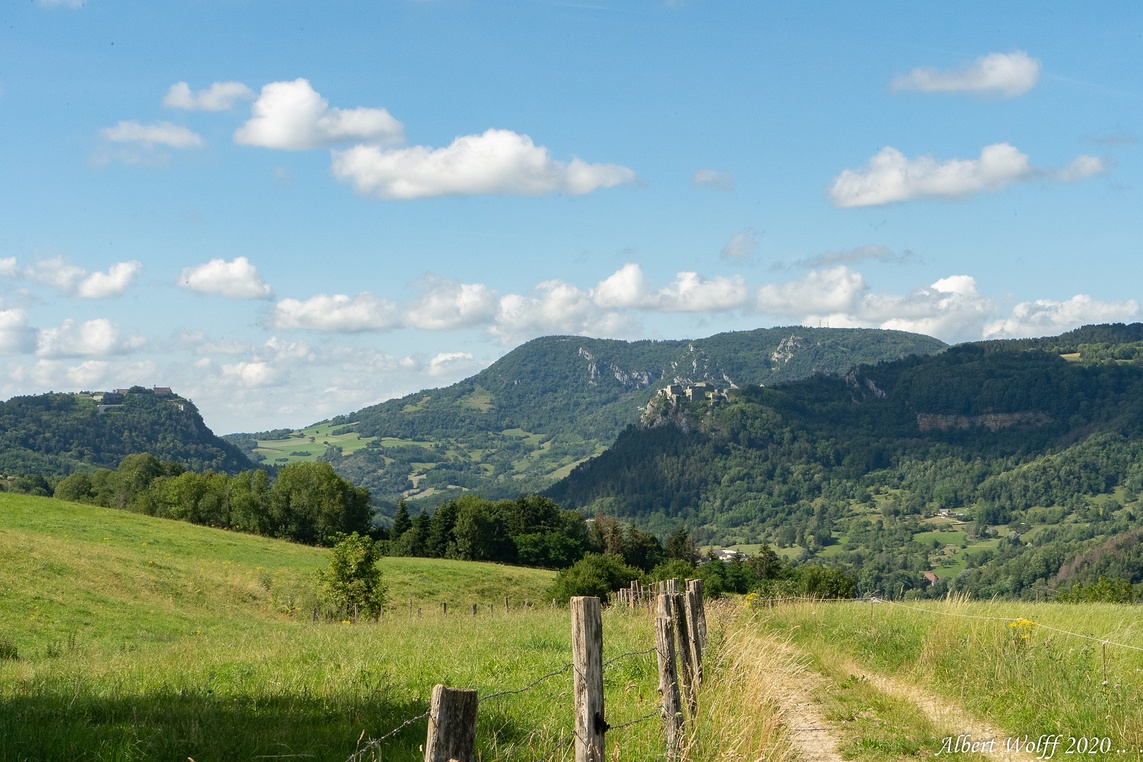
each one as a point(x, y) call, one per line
point(375, 742)
point(527, 687)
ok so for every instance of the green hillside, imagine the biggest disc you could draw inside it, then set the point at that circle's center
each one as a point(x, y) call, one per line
point(57, 434)
point(1005, 468)
point(530, 417)
point(129, 637)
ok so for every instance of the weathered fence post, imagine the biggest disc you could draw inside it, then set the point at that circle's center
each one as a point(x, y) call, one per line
point(490, 609)
point(444, 607)
point(682, 633)
point(669, 684)
point(452, 726)
point(418, 612)
point(410, 608)
point(663, 605)
point(506, 604)
point(696, 585)
point(474, 609)
point(587, 661)
point(692, 615)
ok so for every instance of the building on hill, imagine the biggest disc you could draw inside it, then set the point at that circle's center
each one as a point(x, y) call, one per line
point(702, 390)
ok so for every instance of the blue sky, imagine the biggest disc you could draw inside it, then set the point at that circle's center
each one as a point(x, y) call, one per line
point(288, 211)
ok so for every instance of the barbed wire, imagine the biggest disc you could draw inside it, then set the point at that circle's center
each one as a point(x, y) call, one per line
point(656, 713)
point(527, 687)
point(628, 653)
point(559, 743)
point(375, 742)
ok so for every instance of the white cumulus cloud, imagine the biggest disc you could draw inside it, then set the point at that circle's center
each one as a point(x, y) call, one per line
point(114, 282)
point(1081, 168)
point(220, 96)
point(835, 290)
point(16, 336)
point(624, 288)
point(451, 363)
point(74, 280)
point(1045, 317)
point(151, 135)
point(627, 288)
point(336, 313)
point(445, 305)
point(250, 374)
point(1003, 75)
point(292, 116)
point(91, 338)
point(237, 279)
point(692, 293)
point(891, 176)
point(556, 307)
point(497, 162)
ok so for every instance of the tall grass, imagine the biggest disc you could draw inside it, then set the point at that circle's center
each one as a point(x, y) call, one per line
point(998, 659)
point(739, 715)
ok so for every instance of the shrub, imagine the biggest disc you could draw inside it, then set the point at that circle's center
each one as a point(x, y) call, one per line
point(595, 574)
point(352, 584)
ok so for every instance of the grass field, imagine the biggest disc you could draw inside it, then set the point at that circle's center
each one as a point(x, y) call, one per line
point(310, 443)
point(139, 638)
point(1012, 664)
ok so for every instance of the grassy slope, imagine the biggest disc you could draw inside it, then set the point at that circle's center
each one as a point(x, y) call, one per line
point(141, 638)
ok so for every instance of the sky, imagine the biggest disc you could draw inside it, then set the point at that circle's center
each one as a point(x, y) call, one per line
point(288, 211)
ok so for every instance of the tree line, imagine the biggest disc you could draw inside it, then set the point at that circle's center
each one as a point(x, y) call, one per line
point(305, 502)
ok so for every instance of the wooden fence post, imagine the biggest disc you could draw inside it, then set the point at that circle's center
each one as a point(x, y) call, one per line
point(410, 608)
point(692, 615)
point(678, 610)
point(663, 605)
point(506, 604)
point(587, 661)
point(696, 585)
point(669, 684)
point(444, 607)
point(452, 726)
point(474, 609)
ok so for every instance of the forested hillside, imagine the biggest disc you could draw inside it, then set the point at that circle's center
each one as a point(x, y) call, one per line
point(53, 435)
point(1032, 450)
point(527, 419)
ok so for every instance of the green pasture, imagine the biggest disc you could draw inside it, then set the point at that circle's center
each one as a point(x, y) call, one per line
point(143, 639)
point(310, 443)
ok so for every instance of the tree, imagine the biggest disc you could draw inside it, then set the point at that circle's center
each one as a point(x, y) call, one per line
point(680, 546)
point(310, 503)
point(352, 584)
point(401, 522)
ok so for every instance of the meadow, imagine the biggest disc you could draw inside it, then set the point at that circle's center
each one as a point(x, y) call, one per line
point(124, 637)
